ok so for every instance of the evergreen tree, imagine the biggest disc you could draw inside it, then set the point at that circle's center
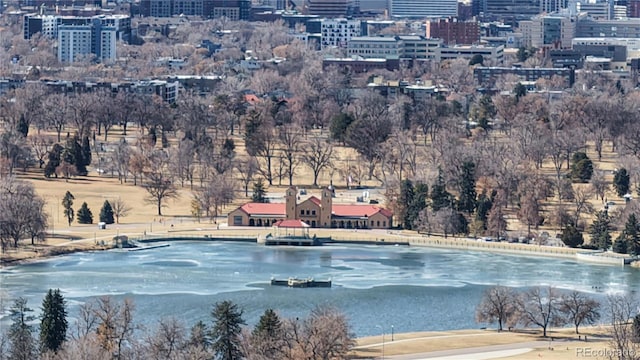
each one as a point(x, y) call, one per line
point(268, 325)
point(572, 237)
point(23, 344)
point(600, 231)
point(226, 330)
point(53, 161)
point(621, 182)
point(84, 214)
point(405, 198)
point(339, 125)
point(259, 192)
point(440, 198)
point(23, 126)
point(419, 202)
point(630, 236)
point(476, 59)
point(72, 154)
point(520, 91)
point(53, 325)
point(85, 151)
point(581, 168)
point(484, 111)
point(483, 207)
point(67, 203)
point(199, 336)
point(106, 213)
point(620, 245)
point(467, 201)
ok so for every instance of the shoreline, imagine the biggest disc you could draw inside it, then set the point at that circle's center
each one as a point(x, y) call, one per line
point(83, 243)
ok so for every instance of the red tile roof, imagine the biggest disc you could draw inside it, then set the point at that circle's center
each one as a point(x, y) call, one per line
point(297, 224)
point(264, 208)
point(358, 210)
point(279, 209)
point(315, 200)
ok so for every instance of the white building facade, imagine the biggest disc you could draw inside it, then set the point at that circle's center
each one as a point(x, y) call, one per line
point(338, 32)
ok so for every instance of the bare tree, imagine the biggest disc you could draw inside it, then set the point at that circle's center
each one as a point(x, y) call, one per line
point(21, 212)
point(580, 309)
point(317, 154)
point(41, 145)
point(581, 202)
point(290, 137)
point(497, 305)
point(214, 195)
point(540, 307)
point(621, 309)
point(168, 341)
point(115, 325)
point(120, 209)
point(159, 180)
point(324, 335)
point(599, 184)
point(246, 170)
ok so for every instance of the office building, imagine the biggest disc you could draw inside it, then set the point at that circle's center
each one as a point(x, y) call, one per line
point(548, 31)
point(485, 76)
point(423, 8)
point(452, 31)
point(509, 11)
point(624, 28)
point(331, 8)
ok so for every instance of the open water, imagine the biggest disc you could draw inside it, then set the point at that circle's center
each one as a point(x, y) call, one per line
point(409, 288)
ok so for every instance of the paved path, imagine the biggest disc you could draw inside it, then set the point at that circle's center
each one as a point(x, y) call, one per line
point(484, 352)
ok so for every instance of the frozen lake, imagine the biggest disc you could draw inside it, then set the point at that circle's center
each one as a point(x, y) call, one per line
point(411, 288)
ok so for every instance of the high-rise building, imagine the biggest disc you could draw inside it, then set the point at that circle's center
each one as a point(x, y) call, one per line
point(331, 8)
point(423, 8)
point(549, 6)
point(452, 31)
point(96, 38)
point(633, 8)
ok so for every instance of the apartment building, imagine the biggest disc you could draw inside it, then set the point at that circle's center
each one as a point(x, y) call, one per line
point(231, 9)
point(486, 75)
point(452, 31)
point(338, 32)
point(623, 28)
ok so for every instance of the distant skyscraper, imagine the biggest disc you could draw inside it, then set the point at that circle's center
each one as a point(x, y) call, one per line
point(423, 8)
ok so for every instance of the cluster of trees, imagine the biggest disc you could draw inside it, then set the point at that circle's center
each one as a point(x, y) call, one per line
point(22, 214)
point(105, 329)
point(546, 307)
point(84, 215)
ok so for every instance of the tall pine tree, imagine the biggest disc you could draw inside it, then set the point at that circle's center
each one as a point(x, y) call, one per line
point(600, 231)
point(405, 198)
point(85, 216)
point(67, 205)
point(226, 330)
point(467, 183)
point(630, 237)
point(106, 213)
point(440, 198)
point(53, 324)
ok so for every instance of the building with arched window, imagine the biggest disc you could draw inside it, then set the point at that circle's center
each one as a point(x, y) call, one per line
point(317, 212)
